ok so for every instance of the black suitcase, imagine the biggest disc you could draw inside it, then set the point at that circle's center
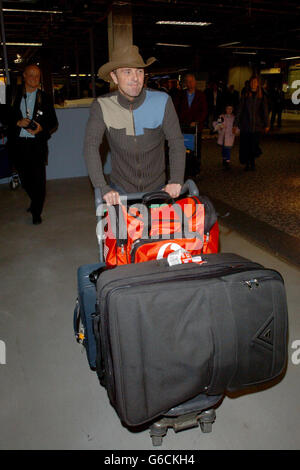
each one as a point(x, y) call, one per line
point(166, 334)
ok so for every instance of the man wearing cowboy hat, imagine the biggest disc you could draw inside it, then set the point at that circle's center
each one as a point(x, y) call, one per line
point(137, 121)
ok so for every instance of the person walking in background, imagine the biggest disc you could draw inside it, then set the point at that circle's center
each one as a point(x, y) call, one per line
point(174, 88)
point(232, 97)
point(246, 88)
point(252, 120)
point(214, 97)
point(277, 104)
point(163, 85)
point(191, 108)
point(226, 134)
point(32, 120)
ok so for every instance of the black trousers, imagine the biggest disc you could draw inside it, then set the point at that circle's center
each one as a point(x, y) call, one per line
point(29, 158)
point(249, 148)
point(278, 112)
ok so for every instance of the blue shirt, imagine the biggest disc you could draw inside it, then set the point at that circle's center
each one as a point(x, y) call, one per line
point(190, 97)
point(30, 101)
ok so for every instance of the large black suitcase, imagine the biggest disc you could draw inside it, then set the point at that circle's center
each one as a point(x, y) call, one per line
point(166, 334)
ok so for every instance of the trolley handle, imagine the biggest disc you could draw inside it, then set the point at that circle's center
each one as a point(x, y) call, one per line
point(188, 187)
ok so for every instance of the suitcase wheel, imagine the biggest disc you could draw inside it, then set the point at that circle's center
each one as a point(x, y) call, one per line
point(186, 421)
point(206, 427)
point(157, 440)
point(206, 420)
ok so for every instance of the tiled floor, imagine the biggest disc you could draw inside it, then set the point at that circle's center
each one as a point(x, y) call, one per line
point(263, 205)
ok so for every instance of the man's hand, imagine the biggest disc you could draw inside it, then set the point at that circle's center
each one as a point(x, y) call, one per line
point(112, 198)
point(267, 129)
point(23, 122)
point(37, 130)
point(173, 189)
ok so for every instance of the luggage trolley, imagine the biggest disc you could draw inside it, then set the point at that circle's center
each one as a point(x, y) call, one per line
point(199, 410)
point(190, 135)
point(6, 170)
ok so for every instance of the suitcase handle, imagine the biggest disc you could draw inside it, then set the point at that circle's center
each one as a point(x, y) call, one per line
point(188, 187)
point(162, 196)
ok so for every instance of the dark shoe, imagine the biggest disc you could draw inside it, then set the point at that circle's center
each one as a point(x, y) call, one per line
point(227, 165)
point(36, 219)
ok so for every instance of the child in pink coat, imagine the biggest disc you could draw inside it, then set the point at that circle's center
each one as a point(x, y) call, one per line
point(226, 136)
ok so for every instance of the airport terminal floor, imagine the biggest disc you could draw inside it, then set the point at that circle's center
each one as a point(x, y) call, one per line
point(49, 397)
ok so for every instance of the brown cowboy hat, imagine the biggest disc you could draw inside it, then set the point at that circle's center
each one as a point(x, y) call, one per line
point(123, 57)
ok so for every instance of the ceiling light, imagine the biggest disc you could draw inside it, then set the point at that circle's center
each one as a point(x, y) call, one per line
point(17, 10)
point(291, 58)
point(18, 60)
point(229, 44)
point(246, 53)
point(184, 23)
point(173, 45)
point(35, 44)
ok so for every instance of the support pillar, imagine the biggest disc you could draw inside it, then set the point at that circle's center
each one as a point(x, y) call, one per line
point(46, 70)
point(4, 45)
point(119, 27)
point(92, 63)
point(238, 75)
point(77, 70)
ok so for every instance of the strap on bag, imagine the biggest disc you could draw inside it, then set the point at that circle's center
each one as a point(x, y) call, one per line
point(76, 319)
point(100, 368)
point(159, 197)
point(121, 226)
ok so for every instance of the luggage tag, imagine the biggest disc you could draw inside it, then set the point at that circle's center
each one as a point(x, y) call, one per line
point(182, 256)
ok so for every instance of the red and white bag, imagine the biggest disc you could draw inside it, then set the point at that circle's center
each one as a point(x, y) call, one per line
point(138, 233)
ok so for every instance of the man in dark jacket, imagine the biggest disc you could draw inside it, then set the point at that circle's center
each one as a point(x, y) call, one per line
point(191, 108)
point(32, 120)
point(252, 119)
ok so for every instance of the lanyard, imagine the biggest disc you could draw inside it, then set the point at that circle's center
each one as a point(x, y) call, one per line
point(26, 109)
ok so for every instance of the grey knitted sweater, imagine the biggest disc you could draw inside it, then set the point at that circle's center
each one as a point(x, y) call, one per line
point(136, 132)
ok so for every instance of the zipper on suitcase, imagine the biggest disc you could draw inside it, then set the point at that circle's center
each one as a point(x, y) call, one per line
point(191, 277)
point(255, 283)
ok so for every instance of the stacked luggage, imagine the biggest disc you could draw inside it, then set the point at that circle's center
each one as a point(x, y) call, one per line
point(167, 338)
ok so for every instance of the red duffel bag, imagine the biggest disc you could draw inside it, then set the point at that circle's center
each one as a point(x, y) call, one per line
point(138, 233)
